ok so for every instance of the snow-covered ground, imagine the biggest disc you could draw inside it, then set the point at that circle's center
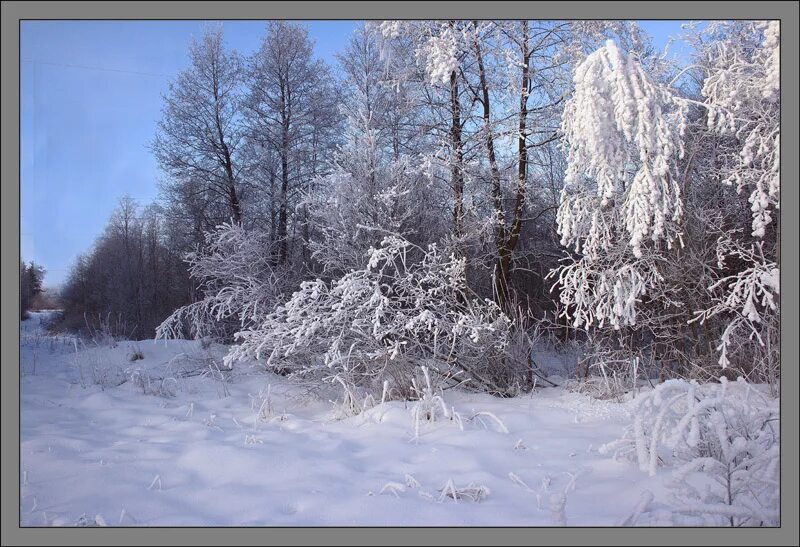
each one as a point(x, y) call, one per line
point(163, 441)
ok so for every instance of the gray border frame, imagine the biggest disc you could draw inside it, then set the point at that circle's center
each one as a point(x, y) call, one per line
point(12, 12)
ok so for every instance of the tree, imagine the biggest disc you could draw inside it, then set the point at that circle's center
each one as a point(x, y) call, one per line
point(741, 96)
point(621, 206)
point(529, 44)
point(438, 47)
point(374, 188)
point(364, 198)
point(659, 244)
point(495, 140)
point(290, 99)
point(200, 137)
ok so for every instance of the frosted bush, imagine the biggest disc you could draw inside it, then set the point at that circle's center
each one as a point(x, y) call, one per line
point(236, 274)
point(724, 441)
point(381, 322)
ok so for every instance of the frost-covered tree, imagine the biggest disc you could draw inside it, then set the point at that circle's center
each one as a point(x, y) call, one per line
point(521, 56)
point(200, 136)
point(669, 198)
point(511, 80)
point(369, 89)
point(438, 48)
point(621, 204)
point(741, 97)
point(364, 198)
point(291, 113)
point(374, 188)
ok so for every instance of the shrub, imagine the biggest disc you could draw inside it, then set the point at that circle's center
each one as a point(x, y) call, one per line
point(381, 322)
point(724, 439)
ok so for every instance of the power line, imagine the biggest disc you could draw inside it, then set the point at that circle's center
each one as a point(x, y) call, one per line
point(84, 67)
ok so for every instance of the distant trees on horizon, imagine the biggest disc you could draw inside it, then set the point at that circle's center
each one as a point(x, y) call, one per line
point(31, 277)
point(132, 278)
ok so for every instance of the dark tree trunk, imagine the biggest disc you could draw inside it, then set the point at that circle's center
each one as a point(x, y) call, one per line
point(457, 160)
point(506, 250)
point(496, 189)
point(457, 174)
point(283, 213)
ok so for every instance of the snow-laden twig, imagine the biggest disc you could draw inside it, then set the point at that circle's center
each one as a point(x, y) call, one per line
point(644, 502)
point(471, 491)
point(501, 427)
point(393, 488)
point(411, 482)
point(156, 483)
point(515, 479)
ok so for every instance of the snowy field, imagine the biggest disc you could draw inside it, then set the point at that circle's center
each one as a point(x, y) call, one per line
point(167, 440)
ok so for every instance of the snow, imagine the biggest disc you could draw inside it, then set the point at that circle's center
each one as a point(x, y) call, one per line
point(615, 107)
point(441, 55)
point(196, 446)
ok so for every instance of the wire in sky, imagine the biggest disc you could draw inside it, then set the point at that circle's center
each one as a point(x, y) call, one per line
point(34, 61)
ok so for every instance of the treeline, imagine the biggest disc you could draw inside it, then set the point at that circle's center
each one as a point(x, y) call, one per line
point(565, 172)
point(31, 277)
point(133, 277)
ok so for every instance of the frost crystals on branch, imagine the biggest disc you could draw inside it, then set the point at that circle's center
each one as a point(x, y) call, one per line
point(408, 307)
point(619, 134)
point(727, 435)
point(622, 139)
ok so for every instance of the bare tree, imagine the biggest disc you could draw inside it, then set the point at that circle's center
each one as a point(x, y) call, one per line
point(290, 99)
point(200, 136)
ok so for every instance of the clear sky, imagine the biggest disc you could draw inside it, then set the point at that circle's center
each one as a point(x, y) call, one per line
point(90, 100)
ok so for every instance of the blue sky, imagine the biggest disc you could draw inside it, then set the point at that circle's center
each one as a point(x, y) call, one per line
point(85, 131)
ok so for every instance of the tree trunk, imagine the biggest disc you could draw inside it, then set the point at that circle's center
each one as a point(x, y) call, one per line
point(233, 198)
point(283, 211)
point(457, 160)
point(506, 250)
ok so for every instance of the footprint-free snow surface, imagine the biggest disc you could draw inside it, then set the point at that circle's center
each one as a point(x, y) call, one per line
point(168, 440)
